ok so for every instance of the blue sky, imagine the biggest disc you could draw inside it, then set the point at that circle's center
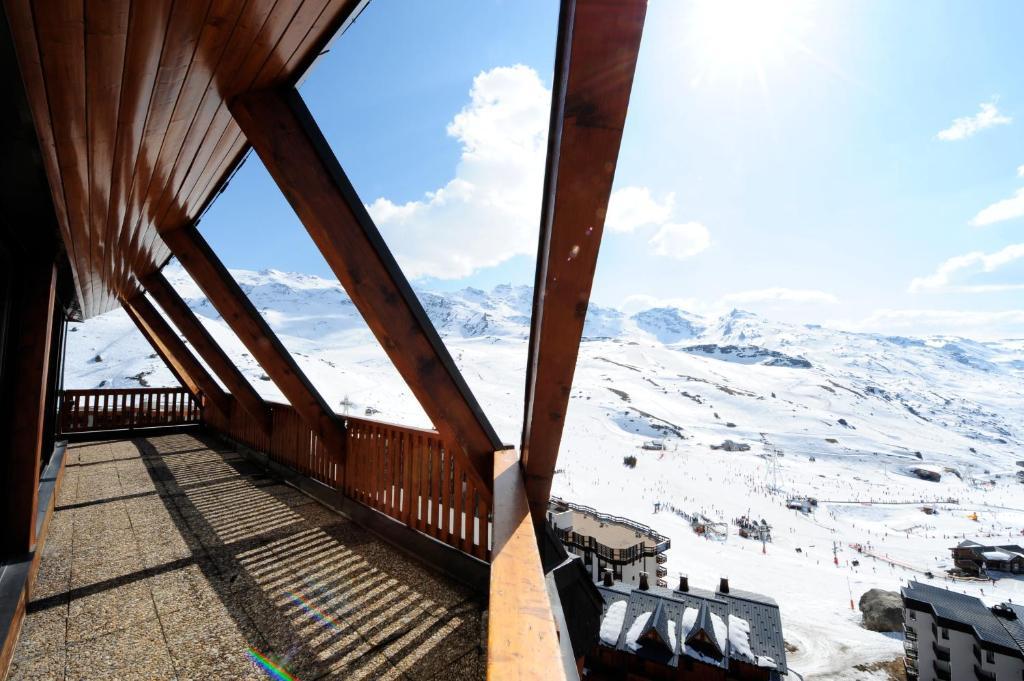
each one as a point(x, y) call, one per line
point(854, 163)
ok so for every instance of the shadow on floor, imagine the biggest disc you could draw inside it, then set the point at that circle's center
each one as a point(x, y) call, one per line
point(198, 551)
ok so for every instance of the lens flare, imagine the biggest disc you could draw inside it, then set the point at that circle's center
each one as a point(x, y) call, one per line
point(273, 671)
point(314, 611)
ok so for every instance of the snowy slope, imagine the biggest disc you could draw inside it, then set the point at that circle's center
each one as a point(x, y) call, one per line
point(867, 408)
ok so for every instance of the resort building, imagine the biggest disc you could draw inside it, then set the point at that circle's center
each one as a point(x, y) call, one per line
point(609, 543)
point(655, 633)
point(979, 559)
point(951, 636)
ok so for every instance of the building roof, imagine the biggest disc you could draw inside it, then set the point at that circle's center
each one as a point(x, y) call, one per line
point(716, 612)
point(992, 552)
point(971, 612)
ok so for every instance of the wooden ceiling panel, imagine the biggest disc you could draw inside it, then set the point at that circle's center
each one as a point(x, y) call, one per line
point(129, 101)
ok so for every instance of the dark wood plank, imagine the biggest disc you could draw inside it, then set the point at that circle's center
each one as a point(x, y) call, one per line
point(162, 336)
point(598, 42)
point(181, 43)
point(207, 348)
point(223, 291)
point(283, 133)
point(522, 640)
point(106, 34)
point(23, 443)
point(62, 50)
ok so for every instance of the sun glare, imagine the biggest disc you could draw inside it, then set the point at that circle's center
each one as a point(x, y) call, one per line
point(742, 40)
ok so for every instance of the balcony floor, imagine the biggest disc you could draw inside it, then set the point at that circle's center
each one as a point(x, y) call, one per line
point(172, 558)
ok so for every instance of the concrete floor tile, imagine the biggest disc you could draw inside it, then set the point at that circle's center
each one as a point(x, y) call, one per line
point(137, 652)
point(108, 609)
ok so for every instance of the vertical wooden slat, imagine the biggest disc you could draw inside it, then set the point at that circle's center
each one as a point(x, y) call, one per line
point(457, 488)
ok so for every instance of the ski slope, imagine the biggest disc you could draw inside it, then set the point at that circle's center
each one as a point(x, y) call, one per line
point(852, 415)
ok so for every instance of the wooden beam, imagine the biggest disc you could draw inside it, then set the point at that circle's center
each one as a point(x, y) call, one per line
point(522, 641)
point(175, 353)
point(30, 347)
point(196, 256)
point(184, 382)
point(598, 41)
point(294, 151)
point(207, 348)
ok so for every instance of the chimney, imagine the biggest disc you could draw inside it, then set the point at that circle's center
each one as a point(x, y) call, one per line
point(723, 585)
point(684, 583)
point(608, 581)
point(644, 586)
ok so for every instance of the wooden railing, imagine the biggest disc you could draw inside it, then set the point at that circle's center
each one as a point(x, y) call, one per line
point(409, 474)
point(413, 476)
point(126, 408)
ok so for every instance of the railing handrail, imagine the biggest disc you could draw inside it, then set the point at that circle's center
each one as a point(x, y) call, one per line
point(106, 409)
point(375, 422)
point(101, 391)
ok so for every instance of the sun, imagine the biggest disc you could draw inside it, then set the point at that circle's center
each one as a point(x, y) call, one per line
point(742, 40)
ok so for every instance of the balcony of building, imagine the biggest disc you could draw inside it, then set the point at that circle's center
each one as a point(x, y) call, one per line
point(200, 530)
point(175, 556)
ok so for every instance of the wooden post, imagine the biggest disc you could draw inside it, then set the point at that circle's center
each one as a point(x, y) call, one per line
point(294, 151)
point(224, 293)
point(30, 346)
point(168, 345)
point(207, 348)
point(522, 641)
point(595, 60)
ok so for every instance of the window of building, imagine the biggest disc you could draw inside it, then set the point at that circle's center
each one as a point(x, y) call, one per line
point(913, 615)
point(990, 657)
point(945, 633)
point(977, 652)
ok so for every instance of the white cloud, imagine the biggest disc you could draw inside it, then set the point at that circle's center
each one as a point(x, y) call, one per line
point(639, 302)
point(780, 295)
point(971, 323)
point(1020, 171)
point(490, 211)
point(967, 126)
point(961, 267)
point(1007, 209)
point(680, 240)
point(632, 207)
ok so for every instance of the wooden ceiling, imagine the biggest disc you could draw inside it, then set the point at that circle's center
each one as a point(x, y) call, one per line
point(129, 101)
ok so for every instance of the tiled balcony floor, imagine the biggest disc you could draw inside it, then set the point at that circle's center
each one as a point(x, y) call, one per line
point(174, 558)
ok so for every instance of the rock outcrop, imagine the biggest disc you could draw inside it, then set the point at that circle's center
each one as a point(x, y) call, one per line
point(882, 610)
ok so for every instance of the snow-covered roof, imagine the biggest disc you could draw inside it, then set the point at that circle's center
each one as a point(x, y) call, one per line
point(715, 628)
point(996, 555)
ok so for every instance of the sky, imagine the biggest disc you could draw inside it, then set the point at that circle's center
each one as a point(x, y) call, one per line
point(856, 163)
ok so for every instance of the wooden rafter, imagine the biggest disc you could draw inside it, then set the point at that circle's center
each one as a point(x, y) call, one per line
point(598, 42)
point(207, 348)
point(252, 329)
point(174, 352)
point(291, 146)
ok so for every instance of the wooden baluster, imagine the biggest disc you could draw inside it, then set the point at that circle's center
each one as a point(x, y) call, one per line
point(459, 509)
point(446, 495)
point(407, 467)
point(395, 484)
point(482, 551)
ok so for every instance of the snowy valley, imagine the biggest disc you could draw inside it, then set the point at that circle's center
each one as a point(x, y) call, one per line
point(841, 417)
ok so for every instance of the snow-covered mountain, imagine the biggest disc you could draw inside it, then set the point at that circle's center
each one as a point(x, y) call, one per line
point(852, 413)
